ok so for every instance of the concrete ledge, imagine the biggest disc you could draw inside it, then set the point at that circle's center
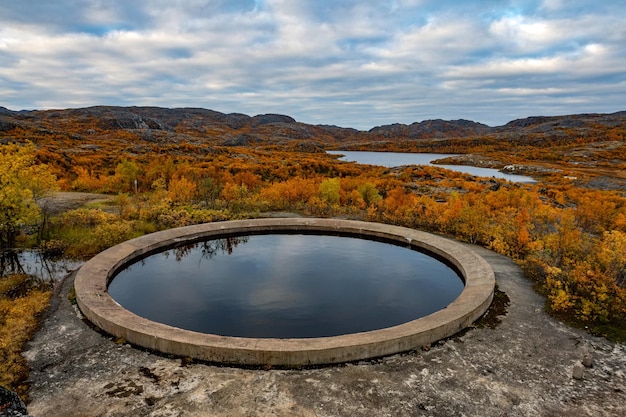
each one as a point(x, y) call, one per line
point(97, 305)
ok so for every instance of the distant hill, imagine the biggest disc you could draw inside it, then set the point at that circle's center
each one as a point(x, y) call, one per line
point(157, 124)
point(431, 129)
point(543, 124)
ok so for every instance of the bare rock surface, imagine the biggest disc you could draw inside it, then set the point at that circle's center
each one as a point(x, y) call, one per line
point(522, 366)
point(61, 201)
point(11, 404)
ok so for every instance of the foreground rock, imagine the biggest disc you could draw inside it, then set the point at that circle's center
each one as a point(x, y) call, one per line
point(521, 367)
point(11, 405)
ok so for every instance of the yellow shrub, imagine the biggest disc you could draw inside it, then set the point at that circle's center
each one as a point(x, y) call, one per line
point(18, 321)
point(86, 217)
point(110, 234)
point(558, 295)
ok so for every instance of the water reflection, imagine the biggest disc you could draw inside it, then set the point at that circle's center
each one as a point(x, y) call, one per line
point(281, 285)
point(208, 249)
point(10, 263)
point(36, 264)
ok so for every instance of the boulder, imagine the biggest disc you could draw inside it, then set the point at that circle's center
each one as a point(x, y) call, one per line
point(578, 371)
point(11, 405)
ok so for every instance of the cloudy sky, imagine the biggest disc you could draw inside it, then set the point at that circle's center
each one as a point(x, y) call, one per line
point(352, 63)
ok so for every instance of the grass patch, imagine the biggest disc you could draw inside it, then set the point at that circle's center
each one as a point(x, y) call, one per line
point(82, 233)
point(104, 205)
point(22, 300)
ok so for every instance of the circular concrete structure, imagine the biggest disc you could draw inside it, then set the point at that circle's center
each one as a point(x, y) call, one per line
point(97, 305)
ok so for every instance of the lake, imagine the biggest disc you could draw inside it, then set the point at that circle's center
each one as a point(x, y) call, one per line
point(396, 159)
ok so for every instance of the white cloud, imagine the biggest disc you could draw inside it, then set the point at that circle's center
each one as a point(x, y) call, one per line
point(530, 91)
point(509, 67)
point(526, 33)
point(351, 63)
point(552, 4)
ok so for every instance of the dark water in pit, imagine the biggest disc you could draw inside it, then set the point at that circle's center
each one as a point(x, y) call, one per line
point(286, 286)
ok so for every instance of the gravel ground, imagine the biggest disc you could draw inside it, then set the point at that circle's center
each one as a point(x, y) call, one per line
point(523, 366)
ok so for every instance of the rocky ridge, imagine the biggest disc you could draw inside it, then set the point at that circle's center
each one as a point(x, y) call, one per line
point(235, 129)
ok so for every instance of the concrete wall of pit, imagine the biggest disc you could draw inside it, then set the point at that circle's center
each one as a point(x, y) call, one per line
point(96, 304)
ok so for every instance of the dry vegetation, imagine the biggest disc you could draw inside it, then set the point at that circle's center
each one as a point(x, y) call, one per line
point(20, 305)
point(568, 231)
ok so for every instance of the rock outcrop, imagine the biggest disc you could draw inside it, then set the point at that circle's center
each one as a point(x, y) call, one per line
point(183, 124)
point(11, 405)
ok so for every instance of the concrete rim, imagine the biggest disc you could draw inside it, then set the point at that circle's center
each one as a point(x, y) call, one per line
point(99, 307)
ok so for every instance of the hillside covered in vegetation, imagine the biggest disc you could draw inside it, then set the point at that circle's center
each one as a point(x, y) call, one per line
point(172, 167)
point(588, 143)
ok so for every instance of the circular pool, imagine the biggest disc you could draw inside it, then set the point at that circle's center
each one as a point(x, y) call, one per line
point(96, 280)
point(286, 285)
